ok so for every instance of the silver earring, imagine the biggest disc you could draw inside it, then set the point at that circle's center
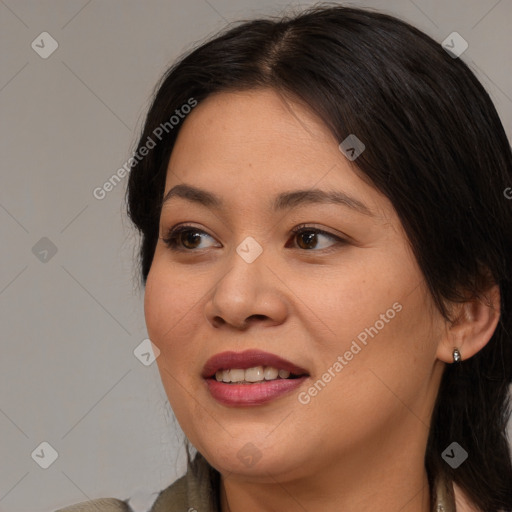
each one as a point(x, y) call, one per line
point(456, 356)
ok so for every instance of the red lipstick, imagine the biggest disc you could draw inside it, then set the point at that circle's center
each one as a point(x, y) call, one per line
point(250, 394)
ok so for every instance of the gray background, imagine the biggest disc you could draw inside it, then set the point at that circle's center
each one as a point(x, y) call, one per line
point(70, 323)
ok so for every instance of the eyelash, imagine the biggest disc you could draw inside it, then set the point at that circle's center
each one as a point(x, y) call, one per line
point(171, 240)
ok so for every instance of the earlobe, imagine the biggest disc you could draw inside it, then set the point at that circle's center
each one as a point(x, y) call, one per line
point(472, 327)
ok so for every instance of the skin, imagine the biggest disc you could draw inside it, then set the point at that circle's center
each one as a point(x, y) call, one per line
point(359, 444)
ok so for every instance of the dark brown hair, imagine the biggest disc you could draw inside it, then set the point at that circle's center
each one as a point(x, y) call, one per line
point(435, 147)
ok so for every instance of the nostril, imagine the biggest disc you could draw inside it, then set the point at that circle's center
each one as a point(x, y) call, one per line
point(218, 321)
point(254, 319)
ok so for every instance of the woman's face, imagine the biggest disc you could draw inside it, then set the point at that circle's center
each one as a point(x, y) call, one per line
point(346, 308)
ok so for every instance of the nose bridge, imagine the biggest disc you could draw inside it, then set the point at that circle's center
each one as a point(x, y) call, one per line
point(236, 293)
point(245, 290)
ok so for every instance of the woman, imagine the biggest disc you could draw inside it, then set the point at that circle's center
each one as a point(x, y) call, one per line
point(326, 257)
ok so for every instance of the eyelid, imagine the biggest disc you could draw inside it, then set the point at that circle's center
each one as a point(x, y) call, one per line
point(337, 239)
point(322, 231)
point(172, 233)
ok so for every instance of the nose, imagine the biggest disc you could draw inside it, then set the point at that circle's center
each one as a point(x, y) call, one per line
point(247, 294)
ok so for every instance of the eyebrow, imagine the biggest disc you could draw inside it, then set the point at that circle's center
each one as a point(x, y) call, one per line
point(283, 201)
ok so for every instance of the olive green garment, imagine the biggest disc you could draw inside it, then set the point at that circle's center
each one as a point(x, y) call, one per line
point(192, 492)
point(197, 492)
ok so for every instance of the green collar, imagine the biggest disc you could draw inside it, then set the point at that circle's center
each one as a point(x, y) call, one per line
point(197, 491)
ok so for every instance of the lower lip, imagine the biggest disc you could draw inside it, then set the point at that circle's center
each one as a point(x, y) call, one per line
point(243, 395)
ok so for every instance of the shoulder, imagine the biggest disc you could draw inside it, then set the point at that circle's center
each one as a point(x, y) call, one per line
point(193, 491)
point(176, 495)
point(103, 504)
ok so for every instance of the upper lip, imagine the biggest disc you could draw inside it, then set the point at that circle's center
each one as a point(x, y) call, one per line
point(248, 359)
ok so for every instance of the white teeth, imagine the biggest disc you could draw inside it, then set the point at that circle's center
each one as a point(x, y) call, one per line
point(254, 374)
point(270, 373)
point(235, 375)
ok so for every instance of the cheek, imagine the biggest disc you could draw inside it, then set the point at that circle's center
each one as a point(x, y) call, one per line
point(171, 317)
point(387, 366)
point(363, 304)
point(157, 302)
point(171, 313)
point(379, 322)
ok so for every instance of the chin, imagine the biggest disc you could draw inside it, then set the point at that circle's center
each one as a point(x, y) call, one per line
point(259, 461)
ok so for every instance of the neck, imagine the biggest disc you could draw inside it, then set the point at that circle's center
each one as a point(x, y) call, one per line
point(301, 496)
point(395, 479)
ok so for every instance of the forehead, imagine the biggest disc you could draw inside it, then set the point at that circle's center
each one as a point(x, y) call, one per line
point(256, 129)
point(256, 143)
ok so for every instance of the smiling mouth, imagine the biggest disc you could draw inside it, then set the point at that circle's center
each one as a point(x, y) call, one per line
point(250, 366)
point(256, 374)
point(250, 378)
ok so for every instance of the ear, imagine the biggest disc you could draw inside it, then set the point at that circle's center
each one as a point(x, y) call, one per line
point(473, 325)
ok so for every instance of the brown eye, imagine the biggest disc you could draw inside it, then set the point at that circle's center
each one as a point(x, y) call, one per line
point(308, 238)
point(189, 238)
point(184, 238)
